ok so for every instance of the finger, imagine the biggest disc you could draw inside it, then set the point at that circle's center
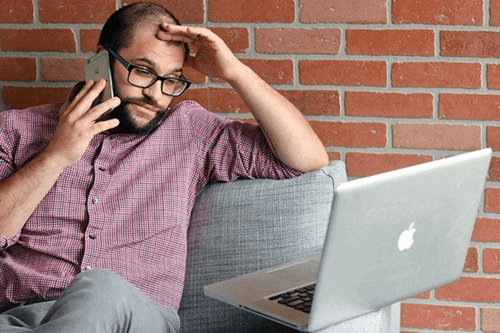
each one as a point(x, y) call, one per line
point(104, 125)
point(99, 110)
point(84, 103)
point(71, 104)
point(184, 33)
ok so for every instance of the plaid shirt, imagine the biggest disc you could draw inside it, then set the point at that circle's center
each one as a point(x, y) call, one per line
point(125, 205)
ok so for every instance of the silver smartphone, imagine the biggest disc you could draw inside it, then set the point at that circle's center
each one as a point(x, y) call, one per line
point(97, 67)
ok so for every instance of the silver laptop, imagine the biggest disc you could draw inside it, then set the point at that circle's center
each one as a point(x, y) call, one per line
point(390, 236)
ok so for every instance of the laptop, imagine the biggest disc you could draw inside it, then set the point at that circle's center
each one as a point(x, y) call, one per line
point(390, 236)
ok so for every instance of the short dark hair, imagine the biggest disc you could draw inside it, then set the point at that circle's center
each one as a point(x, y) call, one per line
point(118, 31)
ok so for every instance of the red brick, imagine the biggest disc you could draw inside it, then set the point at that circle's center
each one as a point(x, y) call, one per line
point(437, 75)
point(334, 156)
point(60, 69)
point(472, 261)
point(493, 137)
point(187, 11)
point(272, 71)
point(62, 40)
point(343, 72)
point(393, 105)
point(75, 11)
point(493, 76)
point(495, 13)
point(193, 75)
point(367, 164)
point(237, 39)
point(252, 11)
point(469, 107)
point(315, 102)
point(492, 200)
point(425, 295)
point(16, 11)
point(341, 134)
point(339, 11)
point(490, 320)
point(438, 12)
point(494, 171)
point(17, 69)
point(491, 261)
point(471, 289)
point(475, 44)
point(23, 97)
point(201, 96)
point(437, 136)
point(89, 39)
point(391, 42)
point(438, 317)
point(486, 230)
point(297, 41)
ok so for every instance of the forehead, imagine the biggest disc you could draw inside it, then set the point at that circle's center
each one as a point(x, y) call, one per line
point(147, 48)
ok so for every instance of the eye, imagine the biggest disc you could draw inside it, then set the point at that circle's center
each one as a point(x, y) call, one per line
point(142, 71)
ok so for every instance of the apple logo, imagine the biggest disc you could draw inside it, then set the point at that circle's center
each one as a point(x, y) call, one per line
point(405, 240)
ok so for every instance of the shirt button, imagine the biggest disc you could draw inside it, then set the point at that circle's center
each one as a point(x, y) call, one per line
point(92, 235)
point(88, 267)
point(94, 201)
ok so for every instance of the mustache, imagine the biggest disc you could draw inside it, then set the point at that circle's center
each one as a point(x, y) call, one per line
point(142, 102)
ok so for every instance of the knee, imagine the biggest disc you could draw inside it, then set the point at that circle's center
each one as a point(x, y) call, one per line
point(103, 285)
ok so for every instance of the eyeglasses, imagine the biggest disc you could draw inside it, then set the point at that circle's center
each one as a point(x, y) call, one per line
point(143, 78)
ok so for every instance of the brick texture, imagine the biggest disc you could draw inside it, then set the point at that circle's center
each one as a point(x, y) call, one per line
point(252, 11)
point(443, 137)
point(390, 105)
point(386, 84)
point(437, 75)
point(339, 72)
point(438, 317)
point(64, 11)
point(297, 41)
point(338, 11)
point(44, 40)
point(16, 11)
point(438, 12)
point(391, 42)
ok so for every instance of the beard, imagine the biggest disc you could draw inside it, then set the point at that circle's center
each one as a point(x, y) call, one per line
point(127, 123)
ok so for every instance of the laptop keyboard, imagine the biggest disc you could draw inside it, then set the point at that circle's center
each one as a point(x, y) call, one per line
point(299, 299)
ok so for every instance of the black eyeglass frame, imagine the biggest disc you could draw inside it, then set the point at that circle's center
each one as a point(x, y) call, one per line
point(130, 67)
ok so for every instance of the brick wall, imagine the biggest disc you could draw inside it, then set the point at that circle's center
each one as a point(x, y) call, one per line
point(385, 83)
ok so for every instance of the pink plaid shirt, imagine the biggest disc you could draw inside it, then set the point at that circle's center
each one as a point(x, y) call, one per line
point(125, 205)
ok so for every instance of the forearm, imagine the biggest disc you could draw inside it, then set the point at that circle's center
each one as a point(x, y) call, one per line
point(21, 193)
point(288, 132)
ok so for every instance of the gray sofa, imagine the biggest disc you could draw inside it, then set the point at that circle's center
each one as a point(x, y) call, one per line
point(250, 225)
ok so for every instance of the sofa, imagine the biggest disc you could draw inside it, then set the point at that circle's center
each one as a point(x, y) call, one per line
point(237, 228)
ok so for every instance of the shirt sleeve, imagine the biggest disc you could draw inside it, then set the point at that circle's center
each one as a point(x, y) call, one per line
point(7, 147)
point(5, 242)
point(8, 142)
point(234, 149)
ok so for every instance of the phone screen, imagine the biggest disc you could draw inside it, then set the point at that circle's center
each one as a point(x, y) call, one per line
point(97, 67)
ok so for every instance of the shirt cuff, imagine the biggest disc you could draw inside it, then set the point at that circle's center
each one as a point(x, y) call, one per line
point(5, 242)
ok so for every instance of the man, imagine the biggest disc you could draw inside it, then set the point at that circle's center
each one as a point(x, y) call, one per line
point(94, 208)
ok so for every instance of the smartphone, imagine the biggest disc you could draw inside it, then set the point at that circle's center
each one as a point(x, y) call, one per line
point(97, 67)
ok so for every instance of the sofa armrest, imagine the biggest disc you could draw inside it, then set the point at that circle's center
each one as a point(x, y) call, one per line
point(237, 228)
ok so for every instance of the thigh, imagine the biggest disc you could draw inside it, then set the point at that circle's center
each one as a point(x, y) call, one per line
point(24, 318)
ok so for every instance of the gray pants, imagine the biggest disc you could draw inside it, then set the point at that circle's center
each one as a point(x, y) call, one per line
point(96, 301)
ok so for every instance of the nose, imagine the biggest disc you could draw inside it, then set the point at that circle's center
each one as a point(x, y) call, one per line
point(154, 91)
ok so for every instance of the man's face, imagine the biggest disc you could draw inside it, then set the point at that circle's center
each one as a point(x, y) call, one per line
point(141, 108)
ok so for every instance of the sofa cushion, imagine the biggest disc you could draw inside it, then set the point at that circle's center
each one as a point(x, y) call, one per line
point(237, 228)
